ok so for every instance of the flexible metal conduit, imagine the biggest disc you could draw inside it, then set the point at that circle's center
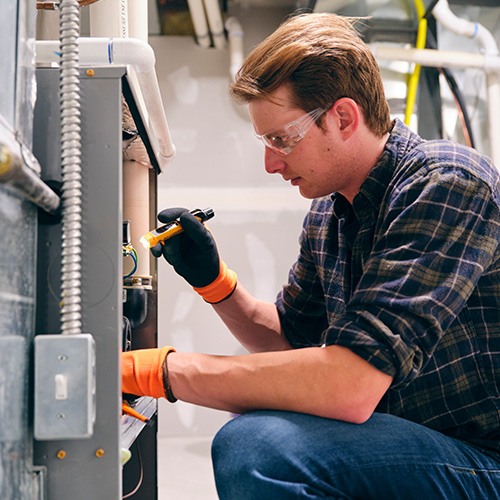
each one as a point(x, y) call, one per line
point(140, 57)
point(69, 89)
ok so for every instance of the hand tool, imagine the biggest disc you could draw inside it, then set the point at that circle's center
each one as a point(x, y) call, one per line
point(163, 233)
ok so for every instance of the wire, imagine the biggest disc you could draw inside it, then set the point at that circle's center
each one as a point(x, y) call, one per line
point(458, 97)
point(428, 12)
point(141, 474)
point(130, 251)
point(428, 39)
point(414, 78)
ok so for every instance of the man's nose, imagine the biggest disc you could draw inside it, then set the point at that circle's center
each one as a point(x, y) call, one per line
point(274, 162)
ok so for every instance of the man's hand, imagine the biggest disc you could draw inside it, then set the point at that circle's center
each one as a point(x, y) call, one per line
point(192, 253)
point(142, 372)
point(194, 256)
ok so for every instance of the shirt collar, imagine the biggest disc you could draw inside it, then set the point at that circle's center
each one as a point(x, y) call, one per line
point(401, 140)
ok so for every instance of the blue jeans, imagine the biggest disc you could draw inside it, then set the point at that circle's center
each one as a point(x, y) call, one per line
point(282, 455)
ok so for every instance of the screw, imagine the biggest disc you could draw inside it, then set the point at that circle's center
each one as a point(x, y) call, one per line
point(61, 454)
point(99, 453)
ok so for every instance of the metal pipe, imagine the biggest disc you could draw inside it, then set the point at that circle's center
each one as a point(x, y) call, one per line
point(24, 179)
point(69, 90)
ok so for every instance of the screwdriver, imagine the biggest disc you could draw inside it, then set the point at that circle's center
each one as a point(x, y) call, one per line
point(128, 410)
point(163, 233)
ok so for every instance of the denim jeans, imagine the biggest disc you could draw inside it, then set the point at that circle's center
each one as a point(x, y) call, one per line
point(283, 455)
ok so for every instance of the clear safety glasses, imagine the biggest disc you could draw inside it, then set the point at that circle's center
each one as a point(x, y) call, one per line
point(283, 141)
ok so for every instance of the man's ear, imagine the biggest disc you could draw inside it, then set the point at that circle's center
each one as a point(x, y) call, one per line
point(348, 116)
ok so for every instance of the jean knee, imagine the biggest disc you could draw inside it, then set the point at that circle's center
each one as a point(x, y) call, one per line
point(230, 447)
point(244, 453)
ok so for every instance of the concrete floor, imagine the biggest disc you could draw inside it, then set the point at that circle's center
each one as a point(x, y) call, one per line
point(185, 469)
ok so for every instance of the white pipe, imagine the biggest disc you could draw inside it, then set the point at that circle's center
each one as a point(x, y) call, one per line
point(109, 18)
point(140, 57)
point(215, 23)
point(235, 37)
point(449, 21)
point(200, 25)
point(138, 19)
point(440, 58)
point(437, 58)
point(459, 26)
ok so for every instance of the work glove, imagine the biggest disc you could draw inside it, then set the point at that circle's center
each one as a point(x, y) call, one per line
point(194, 256)
point(144, 373)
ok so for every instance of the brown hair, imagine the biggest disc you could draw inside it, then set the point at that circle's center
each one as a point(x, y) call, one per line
point(322, 58)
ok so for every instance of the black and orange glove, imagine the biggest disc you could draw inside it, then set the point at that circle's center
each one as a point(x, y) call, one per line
point(144, 373)
point(194, 256)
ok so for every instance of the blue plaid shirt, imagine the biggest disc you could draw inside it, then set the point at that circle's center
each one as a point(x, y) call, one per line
point(408, 278)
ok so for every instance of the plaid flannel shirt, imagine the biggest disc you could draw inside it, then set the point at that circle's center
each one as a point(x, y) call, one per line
point(408, 278)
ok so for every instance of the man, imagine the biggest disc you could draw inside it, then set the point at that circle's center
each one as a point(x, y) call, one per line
point(376, 372)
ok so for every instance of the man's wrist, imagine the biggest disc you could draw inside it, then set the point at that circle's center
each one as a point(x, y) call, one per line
point(221, 288)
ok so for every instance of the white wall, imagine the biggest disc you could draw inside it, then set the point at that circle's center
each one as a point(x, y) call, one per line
point(219, 163)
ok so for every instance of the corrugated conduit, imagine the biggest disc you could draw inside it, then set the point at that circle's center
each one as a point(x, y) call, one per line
point(69, 88)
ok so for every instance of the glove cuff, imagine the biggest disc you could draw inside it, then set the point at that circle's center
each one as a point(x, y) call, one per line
point(221, 288)
point(142, 371)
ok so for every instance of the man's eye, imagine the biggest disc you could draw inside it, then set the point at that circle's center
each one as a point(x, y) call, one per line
point(278, 141)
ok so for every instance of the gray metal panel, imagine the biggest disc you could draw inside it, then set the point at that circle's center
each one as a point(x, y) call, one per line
point(17, 318)
point(88, 468)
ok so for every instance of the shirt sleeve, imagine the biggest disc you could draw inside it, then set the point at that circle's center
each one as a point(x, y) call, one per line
point(432, 245)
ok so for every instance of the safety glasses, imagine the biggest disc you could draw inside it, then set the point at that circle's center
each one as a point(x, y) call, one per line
point(283, 141)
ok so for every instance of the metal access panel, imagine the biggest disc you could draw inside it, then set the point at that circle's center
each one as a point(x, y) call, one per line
point(85, 468)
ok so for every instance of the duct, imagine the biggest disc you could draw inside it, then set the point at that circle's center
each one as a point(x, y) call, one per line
point(140, 57)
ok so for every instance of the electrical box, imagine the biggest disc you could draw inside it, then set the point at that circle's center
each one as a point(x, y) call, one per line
point(64, 386)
